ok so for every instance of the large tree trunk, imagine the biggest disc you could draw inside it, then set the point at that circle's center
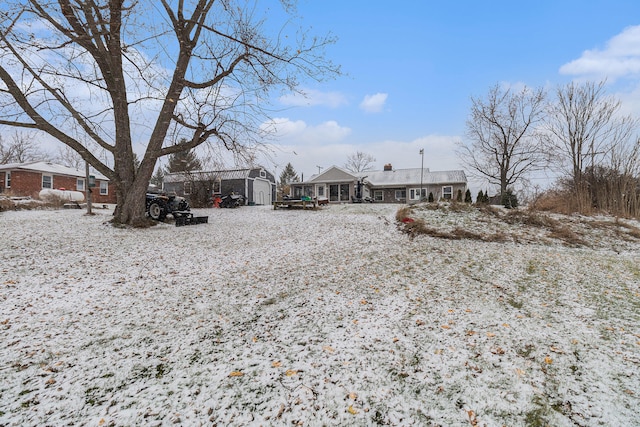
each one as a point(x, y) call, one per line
point(131, 196)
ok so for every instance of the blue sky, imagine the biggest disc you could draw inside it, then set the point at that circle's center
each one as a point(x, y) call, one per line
point(411, 68)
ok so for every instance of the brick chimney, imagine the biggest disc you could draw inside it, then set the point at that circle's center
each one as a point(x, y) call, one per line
point(388, 167)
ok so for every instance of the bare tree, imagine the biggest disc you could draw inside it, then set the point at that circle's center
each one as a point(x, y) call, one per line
point(69, 158)
point(99, 75)
point(359, 162)
point(21, 148)
point(502, 128)
point(585, 132)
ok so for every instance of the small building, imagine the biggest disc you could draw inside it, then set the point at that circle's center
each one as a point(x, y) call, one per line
point(387, 186)
point(257, 185)
point(29, 179)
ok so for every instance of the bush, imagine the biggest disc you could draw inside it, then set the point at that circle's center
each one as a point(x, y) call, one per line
point(509, 199)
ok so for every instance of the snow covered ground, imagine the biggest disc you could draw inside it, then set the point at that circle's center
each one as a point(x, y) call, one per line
point(329, 317)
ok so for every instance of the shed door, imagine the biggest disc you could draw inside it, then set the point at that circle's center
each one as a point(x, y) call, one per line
point(261, 192)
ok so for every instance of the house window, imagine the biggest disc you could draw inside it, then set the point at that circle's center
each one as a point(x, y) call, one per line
point(80, 184)
point(414, 193)
point(7, 179)
point(378, 195)
point(447, 192)
point(339, 192)
point(321, 191)
point(187, 188)
point(104, 188)
point(401, 194)
point(47, 181)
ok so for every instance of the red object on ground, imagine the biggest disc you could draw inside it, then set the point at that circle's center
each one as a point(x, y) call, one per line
point(406, 220)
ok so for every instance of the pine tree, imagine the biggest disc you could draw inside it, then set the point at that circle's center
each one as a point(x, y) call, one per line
point(158, 178)
point(467, 196)
point(183, 161)
point(480, 197)
point(430, 198)
point(287, 176)
point(459, 196)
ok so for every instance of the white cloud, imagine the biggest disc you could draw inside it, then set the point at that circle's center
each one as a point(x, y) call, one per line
point(298, 132)
point(311, 97)
point(619, 58)
point(374, 103)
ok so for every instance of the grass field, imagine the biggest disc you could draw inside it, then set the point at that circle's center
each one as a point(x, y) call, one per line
point(341, 316)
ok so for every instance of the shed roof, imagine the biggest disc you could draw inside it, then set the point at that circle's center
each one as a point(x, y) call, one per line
point(52, 168)
point(208, 175)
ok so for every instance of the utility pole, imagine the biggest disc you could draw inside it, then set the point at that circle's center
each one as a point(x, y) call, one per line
point(421, 171)
point(88, 189)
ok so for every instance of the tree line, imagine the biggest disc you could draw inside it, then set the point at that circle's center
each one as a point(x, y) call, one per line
point(579, 133)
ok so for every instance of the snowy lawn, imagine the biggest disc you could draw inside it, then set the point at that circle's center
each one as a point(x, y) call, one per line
point(329, 317)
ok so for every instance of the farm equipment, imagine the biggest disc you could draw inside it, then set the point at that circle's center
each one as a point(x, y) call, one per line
point(159, 205)
point(232, 201)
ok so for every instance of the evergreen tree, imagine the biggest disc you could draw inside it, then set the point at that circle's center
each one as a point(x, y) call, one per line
point(183, 161)
point(459, 196)
point(467, 196)
point(158, 178)
point(287, 176)
point(430, 198)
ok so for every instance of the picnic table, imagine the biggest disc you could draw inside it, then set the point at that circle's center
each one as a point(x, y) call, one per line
point(305, 203)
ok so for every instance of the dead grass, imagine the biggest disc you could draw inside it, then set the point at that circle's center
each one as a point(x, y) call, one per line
point(493, 224)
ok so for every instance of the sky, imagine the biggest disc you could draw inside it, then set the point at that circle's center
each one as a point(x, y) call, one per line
point(409, 71)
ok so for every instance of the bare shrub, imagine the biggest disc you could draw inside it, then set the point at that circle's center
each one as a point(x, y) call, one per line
point(6, 204)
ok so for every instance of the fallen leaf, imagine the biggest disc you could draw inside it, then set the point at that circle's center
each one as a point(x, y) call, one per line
point(352, 410)
point(328, 349)
point(497, 350)
point(419, 322)
point(468, 310)
point(363, 302)
point(445, 327)
point(469, 333)
point(101, 422)
point(276, 364)
point(396, 339)
point(353, 396)
point(290, 372)
point(236, 374)
point(548, 360)
point(506, 325)
point(519, 372)
point(491, 334)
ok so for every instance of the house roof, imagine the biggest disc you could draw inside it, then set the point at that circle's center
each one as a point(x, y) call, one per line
point(415, 176)
point(392, 178)
point(209, 175)
point(51, 168)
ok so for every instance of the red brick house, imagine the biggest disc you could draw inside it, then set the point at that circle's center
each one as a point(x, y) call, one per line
point(28, 179)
